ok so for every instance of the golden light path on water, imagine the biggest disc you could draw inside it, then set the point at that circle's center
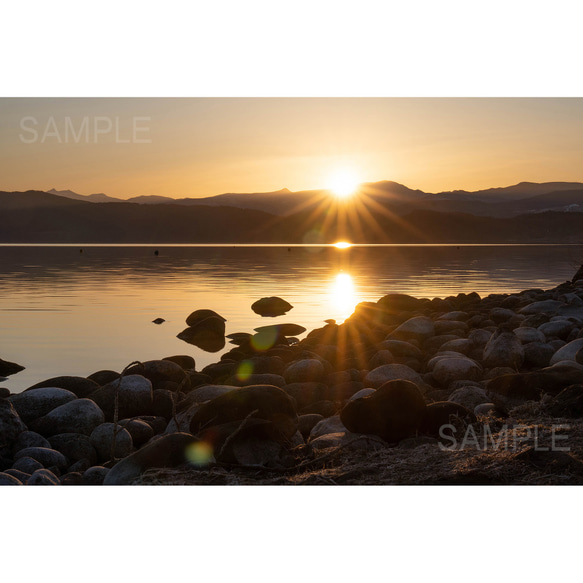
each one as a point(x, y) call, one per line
point(343, 296)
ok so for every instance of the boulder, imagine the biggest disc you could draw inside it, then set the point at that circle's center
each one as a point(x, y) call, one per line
point(401, 348)
point(27, 465)
point(556, 329)
point(11, 426)
point(325, 426)
point(82, 387)
point(95, 475)
point(269, 403)
point(103, 377)
point(199, 316)
point(160, 371)
point(135, 397)
point(45, 456)
point(537, 355)
point(567, 352)
point(305, 370)
point(503, 349)
point(389, 372)
point(9, 480)
point(140, 431)
point(102, 439)
point(527, 334)
point(447, 370)
point(418, 328)
point(43, 477)
point(166, 452)
point(362, 393)
point(209, 392)
point(74, 446)
point(543, 307)
point(35, 403)
point(469, 397)
point(79, 416)
point(8, 368)
point(271, 307)
point(393, 412)
point(30, 439)
point(184, 361)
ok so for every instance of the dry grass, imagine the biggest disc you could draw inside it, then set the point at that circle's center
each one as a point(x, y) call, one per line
point(427, 464)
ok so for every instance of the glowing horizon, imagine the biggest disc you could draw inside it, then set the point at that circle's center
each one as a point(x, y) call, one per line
point(203, 147)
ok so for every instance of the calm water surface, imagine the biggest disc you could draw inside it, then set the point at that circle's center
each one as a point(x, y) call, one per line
point(67, 312)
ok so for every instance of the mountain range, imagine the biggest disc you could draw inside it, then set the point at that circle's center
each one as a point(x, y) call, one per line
point(380, 212)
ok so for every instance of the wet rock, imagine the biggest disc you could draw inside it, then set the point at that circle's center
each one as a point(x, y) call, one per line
point(74, 446)
point(388, 372)
point(270, 403)
point(35, 403)
point(447, 370)
point(43, 478)
point(81, 386)
point(104, 377)
point(95, 476)
point(199, 316)
point(45, 456)
point(166, 452)
point(442, 413)
point(102, 439)
point(503, 349)
point(8, 368)
point(135, 397)
point(469, 397)
point(271, 307)
point(79, 416)
point(393, 412)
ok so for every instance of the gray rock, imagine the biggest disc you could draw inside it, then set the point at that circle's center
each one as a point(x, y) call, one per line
point(462, 345)
point(102, 438)
point(454, 315)
point(307, 422)
point(447, 370)
point(209, 392)
point(43, 478)
point(503, 349)
point(568, 351)
point(537, 354)
point(417, 328)
point(362, 393)
point(27, 465)
point(527, 334)
point(167, 451)
point(95, 476)
point(135, 396)
point(381, 357)
point(81, 386)
point(140, 431)
point(556, 329)
point(22, 476)
point(450, 327)
point(74, 446)
point(390, 372)
point(469, 397)
point(36, 403)
point(183, 420)
point(543, 307)
point(10, 425)
point(326, 426)
point(44, 455)
point(479, 337)
point(305, 370)
point(9, 480)
point(79, 416)
point(30, 439)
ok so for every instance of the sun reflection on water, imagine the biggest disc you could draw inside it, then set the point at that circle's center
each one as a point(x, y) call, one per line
point(343, 295)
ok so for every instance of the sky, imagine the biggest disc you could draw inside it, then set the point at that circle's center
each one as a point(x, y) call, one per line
point(196, 147)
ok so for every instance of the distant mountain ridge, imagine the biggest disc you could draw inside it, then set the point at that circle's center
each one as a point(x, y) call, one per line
point(525, 197)
point(41, 217)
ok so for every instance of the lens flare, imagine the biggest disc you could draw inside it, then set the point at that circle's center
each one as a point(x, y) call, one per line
point(264, 340)
point(200, 453)
point(244, 370)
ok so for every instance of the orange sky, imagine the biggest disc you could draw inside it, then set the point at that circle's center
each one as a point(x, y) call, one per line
point(207, 146)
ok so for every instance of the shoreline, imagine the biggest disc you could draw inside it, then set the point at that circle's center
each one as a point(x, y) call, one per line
point(379, 399)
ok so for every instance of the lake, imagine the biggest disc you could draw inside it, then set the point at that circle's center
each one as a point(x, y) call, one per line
point(73, 310)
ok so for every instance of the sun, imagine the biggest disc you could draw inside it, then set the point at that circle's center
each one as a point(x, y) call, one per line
point(343, 182)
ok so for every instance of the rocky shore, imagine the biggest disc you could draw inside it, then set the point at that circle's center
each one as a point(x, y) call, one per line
point(459, 390)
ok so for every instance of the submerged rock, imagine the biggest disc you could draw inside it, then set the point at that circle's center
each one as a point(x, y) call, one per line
point(8, 368)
